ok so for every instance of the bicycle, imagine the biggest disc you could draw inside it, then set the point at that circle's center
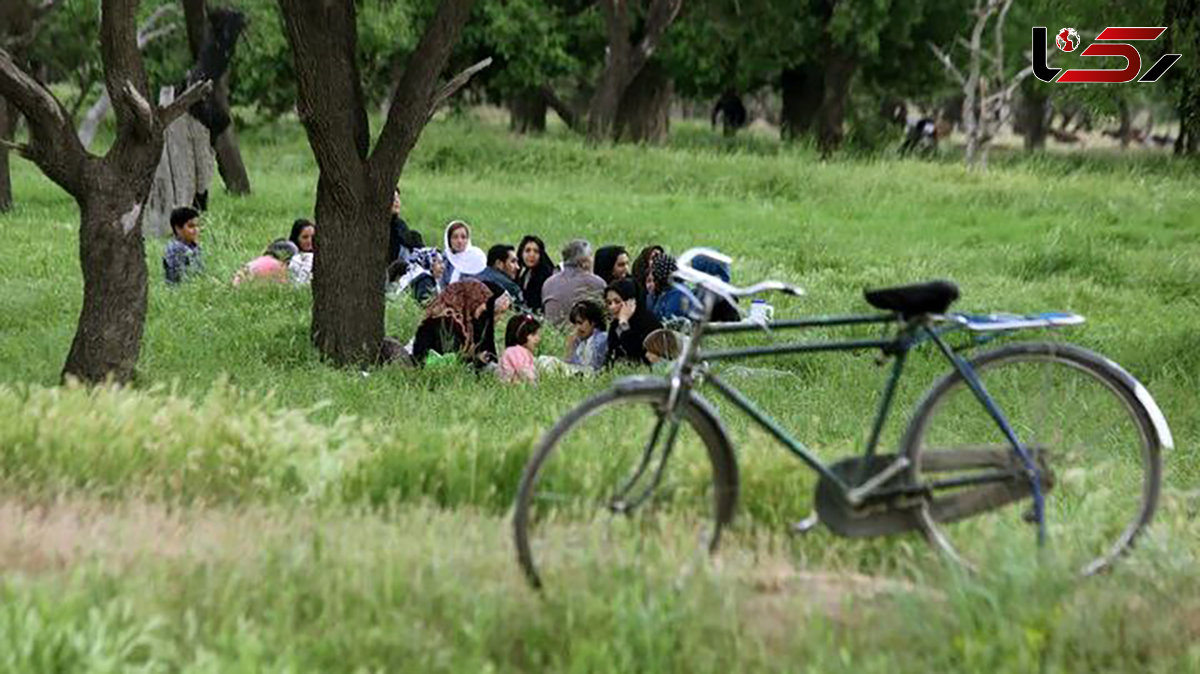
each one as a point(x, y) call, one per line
point(975, 469)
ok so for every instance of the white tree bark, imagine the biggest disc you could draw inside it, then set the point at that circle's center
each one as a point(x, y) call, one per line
point(185, 170)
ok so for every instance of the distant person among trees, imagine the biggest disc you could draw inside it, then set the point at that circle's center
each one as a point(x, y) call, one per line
point(574, 284)
point(300, 268)
point(462, 259)
point(451, 322)
point(521, 338)
point(183, 257)
point(272, 265)
point(502, 269)
point(631, 323)
point(536, 267)
point(641, 271)
point(587, 345)
point(612, 263)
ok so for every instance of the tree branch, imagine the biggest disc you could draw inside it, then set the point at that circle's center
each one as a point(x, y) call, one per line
point(661, 15)
point(457, 82)
point(19, 148)
point(140, 108)
point(192, 95)
point(564, 111)
point(124, 76)
point(414, 94)
point(948, 64)
point(53, 145)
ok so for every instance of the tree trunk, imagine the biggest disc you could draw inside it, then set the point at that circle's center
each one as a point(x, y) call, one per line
point(355, 183)
point(839, 72)
point(1034, 118)
point(527, 111)
point(802, 90)
point(229, 154)
point(108, 337)
point(7, 124)
point(606, 101)
point(1188, 141)
point(349, 271)
point(1126, 130)
point(644, 113)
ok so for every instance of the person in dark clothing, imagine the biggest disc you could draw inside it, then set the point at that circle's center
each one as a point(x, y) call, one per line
point(451, 322)
point(732, 112)
point(723, 311)
point(502, 268)
point(401, 240)
point(611, 264)
point(536, 267)
point(631, 323)
point(485, 325)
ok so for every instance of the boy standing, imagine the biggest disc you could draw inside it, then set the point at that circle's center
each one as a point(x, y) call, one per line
point(183, 257)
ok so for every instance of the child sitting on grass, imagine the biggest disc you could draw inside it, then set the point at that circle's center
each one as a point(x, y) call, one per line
point(521, 338)
point(182, 257)
point(663, 346)
point(587, 345)
point(272, 265)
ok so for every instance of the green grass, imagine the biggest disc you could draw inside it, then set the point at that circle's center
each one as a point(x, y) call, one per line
point(360, 522)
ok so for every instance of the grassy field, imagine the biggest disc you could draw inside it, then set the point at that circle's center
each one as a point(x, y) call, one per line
point(246, 508)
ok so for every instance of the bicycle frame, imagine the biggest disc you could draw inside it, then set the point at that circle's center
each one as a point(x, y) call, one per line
point(909, 335)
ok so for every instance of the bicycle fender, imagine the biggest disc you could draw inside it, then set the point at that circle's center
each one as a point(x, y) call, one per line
point(1157, 419)
point(643, 382)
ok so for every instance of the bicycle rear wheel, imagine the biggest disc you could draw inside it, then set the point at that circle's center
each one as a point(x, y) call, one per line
point(1091, 436)
point(615, 470)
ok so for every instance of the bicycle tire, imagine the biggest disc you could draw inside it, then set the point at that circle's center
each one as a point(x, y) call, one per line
point(1073, 493)
point(695, 412)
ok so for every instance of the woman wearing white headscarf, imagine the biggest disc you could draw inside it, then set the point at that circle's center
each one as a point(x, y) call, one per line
point(462, 259)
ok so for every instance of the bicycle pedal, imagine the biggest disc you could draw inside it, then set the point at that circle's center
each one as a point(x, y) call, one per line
point(805, 525)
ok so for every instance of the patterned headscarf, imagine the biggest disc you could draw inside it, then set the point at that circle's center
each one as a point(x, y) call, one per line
point(459, 302)
point(664, 266)
point(425, 258)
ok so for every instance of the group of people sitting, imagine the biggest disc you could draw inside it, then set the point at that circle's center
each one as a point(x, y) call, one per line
point(614, 308)
point(287, 260)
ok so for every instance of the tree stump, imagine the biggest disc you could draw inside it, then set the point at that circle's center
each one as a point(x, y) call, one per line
point(184, 173)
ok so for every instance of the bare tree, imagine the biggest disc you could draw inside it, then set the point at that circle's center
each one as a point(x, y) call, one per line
point(355, 182)
point(987, 98)
point(625, 59)
point(110, 191)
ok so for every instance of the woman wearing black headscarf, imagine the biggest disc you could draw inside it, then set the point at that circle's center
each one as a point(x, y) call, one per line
point(611, 264)
point(536, 267)
point(631, 322)
point(641, 271)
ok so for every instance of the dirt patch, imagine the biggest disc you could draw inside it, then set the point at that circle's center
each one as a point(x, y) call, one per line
point(41, 537)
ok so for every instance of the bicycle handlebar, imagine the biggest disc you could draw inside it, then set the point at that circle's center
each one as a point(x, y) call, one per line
point(686, 272)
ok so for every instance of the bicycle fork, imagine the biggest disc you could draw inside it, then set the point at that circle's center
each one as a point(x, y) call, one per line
point(1032, 471)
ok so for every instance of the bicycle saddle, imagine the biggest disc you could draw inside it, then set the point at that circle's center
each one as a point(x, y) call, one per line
point(933, 297)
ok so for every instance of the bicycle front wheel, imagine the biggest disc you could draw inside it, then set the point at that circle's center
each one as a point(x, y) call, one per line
point(1090, 435)
point(616, 470)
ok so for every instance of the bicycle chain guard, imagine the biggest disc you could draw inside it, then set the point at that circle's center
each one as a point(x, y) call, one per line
point(870, 519)
point(886, 515)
